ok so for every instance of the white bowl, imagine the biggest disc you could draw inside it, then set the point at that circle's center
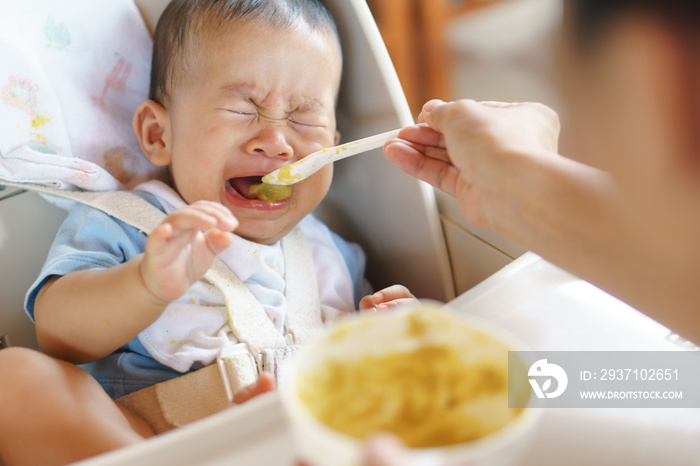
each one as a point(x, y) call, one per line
point(377, 335)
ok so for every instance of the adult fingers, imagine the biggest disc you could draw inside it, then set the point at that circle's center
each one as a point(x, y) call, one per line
point(432, 112)
point(385, 450)
point(422, 135)
point(412, 159)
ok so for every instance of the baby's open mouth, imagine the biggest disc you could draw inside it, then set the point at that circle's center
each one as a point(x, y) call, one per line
point(252, 187)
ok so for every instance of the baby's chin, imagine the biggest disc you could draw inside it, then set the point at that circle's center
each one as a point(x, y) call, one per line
point(269, 234)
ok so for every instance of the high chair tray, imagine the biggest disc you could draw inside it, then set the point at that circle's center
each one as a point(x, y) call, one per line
point(254, 433)
point(550, 310)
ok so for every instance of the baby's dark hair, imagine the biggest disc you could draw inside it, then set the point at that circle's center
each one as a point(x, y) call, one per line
point(184, 22)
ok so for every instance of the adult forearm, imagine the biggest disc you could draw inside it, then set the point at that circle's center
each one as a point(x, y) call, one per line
point(565, 211)
point(573, 216)
point(499, 161)
point(86, 315)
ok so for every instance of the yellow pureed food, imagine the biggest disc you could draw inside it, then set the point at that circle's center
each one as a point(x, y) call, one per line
point(429, 393)
point(285, 175)
point(271, 192)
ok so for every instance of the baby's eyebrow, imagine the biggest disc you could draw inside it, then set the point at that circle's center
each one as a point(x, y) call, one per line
point(249, 92)
point(306, 104)
point(237, 90)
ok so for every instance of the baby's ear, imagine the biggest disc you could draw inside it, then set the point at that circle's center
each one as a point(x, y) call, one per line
point(337, 138)
point(152, 127)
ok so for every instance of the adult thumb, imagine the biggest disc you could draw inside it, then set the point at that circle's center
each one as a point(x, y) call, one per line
point(427, 113)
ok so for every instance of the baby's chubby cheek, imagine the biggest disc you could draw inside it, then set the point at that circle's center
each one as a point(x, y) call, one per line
point(321, 181)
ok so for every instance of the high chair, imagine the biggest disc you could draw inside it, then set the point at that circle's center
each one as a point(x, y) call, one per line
point(394, 218)
point(371, 202)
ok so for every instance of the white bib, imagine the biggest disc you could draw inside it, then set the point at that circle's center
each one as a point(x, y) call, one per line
point(195, 328)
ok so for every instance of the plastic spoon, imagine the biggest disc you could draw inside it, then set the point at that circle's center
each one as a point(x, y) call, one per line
point(313, 162)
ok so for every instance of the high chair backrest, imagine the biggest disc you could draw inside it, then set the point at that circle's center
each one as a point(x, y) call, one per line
point(390, 214)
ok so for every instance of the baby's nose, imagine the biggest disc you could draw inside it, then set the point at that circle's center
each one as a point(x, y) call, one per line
point(271, 142)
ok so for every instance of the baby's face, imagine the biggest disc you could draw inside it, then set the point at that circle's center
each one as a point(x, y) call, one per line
point(264, 98)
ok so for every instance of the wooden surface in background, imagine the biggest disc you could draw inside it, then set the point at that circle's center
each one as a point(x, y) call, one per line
point(414, 34)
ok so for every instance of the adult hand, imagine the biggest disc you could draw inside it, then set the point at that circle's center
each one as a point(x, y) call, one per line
point(472, 150)
point(387, 450)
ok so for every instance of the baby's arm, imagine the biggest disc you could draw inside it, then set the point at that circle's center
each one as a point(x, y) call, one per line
point(86, 315)
point(388, 298)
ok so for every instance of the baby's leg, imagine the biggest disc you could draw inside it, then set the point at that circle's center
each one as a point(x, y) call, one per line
point(52, 412)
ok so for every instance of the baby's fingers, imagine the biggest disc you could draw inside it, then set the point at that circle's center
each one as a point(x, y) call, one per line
point(202, 216)
point(203, 220)
point(225, 220)
point(164, 244)
point(177, 230)
point(218, 240)
point(367, 305)
point(265, 383)
point(392, 293)
point(388, 298)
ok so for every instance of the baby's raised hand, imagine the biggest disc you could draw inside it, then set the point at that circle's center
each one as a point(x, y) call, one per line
point(182, 248)
point(388, 298)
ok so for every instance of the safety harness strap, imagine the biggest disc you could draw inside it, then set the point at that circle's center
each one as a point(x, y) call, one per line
point(247, 318)
point(195, 395)
point(303, 299)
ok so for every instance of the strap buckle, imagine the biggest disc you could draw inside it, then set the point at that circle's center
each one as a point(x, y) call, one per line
point(231, 353)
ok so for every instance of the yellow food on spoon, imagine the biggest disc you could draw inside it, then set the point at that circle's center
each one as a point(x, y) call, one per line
point(271, 192)
point(285, 175)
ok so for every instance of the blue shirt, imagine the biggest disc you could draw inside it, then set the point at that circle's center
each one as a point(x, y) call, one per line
point(89, 239)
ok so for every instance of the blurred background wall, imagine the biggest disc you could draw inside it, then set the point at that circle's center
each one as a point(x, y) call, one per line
point(476, 49)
